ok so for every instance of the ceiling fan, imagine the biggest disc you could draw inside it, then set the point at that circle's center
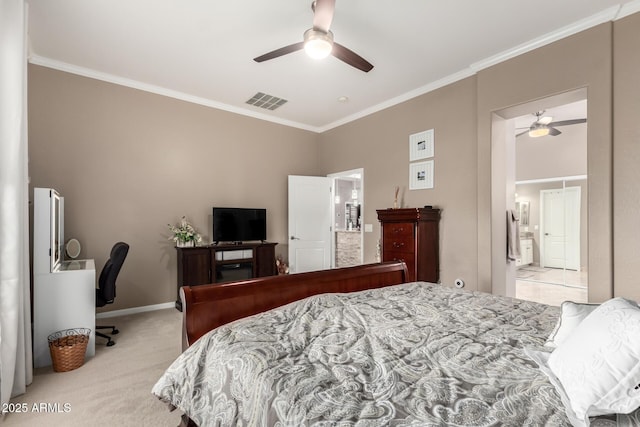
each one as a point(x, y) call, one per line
point(318, 40)
point(543, 125)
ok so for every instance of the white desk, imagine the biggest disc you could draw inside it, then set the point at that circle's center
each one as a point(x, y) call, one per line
point(63, 299)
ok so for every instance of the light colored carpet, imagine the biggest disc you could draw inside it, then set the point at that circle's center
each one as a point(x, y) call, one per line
point(114, 387)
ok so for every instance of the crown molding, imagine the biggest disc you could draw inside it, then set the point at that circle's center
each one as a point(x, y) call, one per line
point(452, 78)
point(158, 90)
point(584, 24)
point(607, 15)
point(628, 9)
point(611, 14)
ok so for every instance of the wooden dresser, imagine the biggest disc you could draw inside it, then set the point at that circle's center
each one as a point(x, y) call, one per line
point(411, 235)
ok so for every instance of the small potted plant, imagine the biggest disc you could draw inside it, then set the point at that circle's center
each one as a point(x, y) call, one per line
point(184, 235)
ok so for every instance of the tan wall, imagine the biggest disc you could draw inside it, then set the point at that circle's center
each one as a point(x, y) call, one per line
point(129, 162)
point(379, 143)
point(461, 115)
point(579, 61)
point(626, 158)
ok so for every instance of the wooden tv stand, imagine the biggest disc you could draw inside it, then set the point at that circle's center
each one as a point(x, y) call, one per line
point(219, 263)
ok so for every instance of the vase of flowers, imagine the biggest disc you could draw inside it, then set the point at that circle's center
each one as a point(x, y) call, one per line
point(184, 235)
point(281, 266)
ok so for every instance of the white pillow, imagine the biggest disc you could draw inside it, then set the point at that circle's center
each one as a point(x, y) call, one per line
point(542, 359)
point(598, 364)
point(570, 317)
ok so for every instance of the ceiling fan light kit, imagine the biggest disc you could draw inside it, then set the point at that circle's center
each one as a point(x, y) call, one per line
point(538, 129)
point(318, 40)
point(544, 126)
point(317, 43)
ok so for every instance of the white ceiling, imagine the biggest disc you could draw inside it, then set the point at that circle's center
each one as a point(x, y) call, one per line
point(202, 50)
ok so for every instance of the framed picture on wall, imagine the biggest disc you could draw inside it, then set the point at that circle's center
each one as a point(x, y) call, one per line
point(421, 145)
point(421, 175)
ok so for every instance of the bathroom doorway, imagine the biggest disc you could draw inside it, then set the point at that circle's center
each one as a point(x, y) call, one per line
point(551, 180)
point(348, 198)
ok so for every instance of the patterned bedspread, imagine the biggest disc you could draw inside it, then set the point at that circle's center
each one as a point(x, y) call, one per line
point(409, 355)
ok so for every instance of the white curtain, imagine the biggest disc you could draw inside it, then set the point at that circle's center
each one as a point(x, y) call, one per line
point(15, 314)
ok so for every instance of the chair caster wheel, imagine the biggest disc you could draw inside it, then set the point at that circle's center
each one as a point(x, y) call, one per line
point(111, 343)
point(115, 331)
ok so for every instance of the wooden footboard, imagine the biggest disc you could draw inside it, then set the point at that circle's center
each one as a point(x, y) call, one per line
point(206, 307)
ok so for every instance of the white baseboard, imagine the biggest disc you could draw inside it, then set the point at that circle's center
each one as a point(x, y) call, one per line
point(134, 310)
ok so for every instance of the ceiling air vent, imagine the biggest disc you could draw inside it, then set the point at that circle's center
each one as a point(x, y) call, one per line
point(265, 101)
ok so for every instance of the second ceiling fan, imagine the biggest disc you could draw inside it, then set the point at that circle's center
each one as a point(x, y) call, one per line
point(544, 126)
point(318, 40)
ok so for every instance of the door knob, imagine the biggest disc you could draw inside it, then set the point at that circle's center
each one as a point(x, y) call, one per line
point(295, 238)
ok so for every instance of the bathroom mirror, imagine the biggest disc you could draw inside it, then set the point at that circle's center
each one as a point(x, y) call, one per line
point(352, 216)
point(523, 212)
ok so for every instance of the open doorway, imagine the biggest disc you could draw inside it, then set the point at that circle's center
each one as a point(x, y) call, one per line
point(325, 221)
point(557, 268)
point(551, 199)
point(347, 218)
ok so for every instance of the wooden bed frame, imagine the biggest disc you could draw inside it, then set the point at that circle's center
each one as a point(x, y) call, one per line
point(206, 307)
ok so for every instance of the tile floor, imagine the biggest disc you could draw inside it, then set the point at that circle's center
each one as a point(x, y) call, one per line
point(545, 285)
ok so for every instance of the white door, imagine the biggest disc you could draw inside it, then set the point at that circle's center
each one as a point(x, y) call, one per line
point(561, 228)
point(309, 223)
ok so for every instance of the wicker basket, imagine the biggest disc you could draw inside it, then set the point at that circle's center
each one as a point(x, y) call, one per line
point(68, 348)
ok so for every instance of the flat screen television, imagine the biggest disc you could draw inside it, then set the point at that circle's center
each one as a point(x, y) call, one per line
point(239, 225)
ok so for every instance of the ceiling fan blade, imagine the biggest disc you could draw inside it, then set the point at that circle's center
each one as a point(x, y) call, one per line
point(545, 120)
point(350, 57)
point(323, 14)
point(554, 131)
point(568, 122)
point(280, 52)
point(522, 133)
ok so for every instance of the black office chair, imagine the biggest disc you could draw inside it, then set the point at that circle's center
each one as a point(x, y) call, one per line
point(106, 291)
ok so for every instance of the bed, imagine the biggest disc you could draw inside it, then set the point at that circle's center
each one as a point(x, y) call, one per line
point(360, 347)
